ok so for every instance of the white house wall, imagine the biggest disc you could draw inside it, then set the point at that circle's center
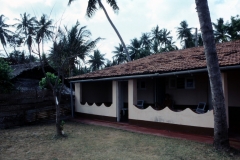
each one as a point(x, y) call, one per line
point(191, 96)
point(101, 110)
point(146, 94)
point(185, 117)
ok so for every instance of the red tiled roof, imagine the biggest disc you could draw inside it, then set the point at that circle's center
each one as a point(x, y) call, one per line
point(191, 58)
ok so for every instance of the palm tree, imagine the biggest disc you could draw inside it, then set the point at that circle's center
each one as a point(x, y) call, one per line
point(221, 140)
point(156, 35)
point(169, 46)
point(220, 31)
point(185, 35)
point(166, 38)
point(146, 41)
point(74, 43)
point(92, 8)
point(135, 49)
point(4, 33)
point(44, 30)
point(119, 56)
point(234, 28)
point(26, 27)
point(96, 60)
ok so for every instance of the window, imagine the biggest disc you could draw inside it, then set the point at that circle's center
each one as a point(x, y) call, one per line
point(181, 83)
point(141, 85)
point(189, 83)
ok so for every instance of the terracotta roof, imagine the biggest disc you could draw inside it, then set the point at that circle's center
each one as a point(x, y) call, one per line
point(191, 58)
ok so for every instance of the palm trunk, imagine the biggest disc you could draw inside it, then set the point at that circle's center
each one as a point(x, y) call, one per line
point(42, 47)
point(58, 123)
point(115, 29)
point(221, 140)
point(5, 50)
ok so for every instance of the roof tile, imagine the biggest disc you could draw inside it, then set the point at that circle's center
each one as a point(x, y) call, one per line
point(191, 58)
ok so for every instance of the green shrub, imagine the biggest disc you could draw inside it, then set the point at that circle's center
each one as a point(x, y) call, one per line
point(5, 77)
point(52, 78)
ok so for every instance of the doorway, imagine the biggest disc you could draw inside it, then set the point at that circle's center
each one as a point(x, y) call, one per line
point(122, 101)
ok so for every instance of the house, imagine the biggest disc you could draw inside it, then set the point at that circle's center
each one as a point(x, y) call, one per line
point(27, 76)
point(162, 91)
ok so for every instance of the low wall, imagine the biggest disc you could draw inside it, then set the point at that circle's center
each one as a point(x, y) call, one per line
point(186, 117)
point(101, 110)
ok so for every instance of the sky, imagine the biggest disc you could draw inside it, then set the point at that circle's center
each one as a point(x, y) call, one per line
point(134, 17)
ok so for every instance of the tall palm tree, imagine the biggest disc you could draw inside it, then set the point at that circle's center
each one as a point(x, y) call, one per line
point(185, 35)
point(234, 28)
point(165, 38)
point(136, 50)
point(220, 31)
point(44, 30)
point(4, 33)
point(119, 56)
point(169, 46)
point(74, 43)
point(221, 140)
point(92, 8)
point(146, 41)
point(26, 27)
point(156, 34)
point(96, 60)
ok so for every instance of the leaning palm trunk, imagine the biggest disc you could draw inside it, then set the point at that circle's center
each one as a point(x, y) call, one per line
point(221, 140)
point(115, 29)
point(5, 50)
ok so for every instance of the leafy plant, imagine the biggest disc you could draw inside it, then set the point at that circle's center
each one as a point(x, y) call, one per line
point(5, 77)
point(52, 78)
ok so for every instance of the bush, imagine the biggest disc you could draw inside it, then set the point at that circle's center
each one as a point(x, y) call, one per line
point(52, 78)
point(5, 77)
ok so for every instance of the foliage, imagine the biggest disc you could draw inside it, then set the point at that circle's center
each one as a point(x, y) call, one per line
point(96, 60)
point(62, 125)
point(4, 33)
point(26, 28)
point(52, 79)
point(5, 77)
point(74, 43)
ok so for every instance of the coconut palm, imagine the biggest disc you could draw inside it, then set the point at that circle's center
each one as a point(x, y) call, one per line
point(234, 28)
point(4, 33)
point(185, 35)
point(96, 60)
point(221, 140)
point(135, 49)
point(146, 41)
point(220, 31)
point(156, 34)
point(119, 56)
point(44, 30)
point(74, 43)
point(26, 27)
point(92, 8)
point(165, 37)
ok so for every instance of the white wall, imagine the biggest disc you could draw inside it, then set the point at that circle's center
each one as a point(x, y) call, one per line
point(94, 109)
point(191, 96)
point(185, 117)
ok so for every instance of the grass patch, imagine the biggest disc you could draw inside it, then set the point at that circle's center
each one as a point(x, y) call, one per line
point(96, 142)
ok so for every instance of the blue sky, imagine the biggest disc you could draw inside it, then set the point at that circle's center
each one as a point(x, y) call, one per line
point(134, 18)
